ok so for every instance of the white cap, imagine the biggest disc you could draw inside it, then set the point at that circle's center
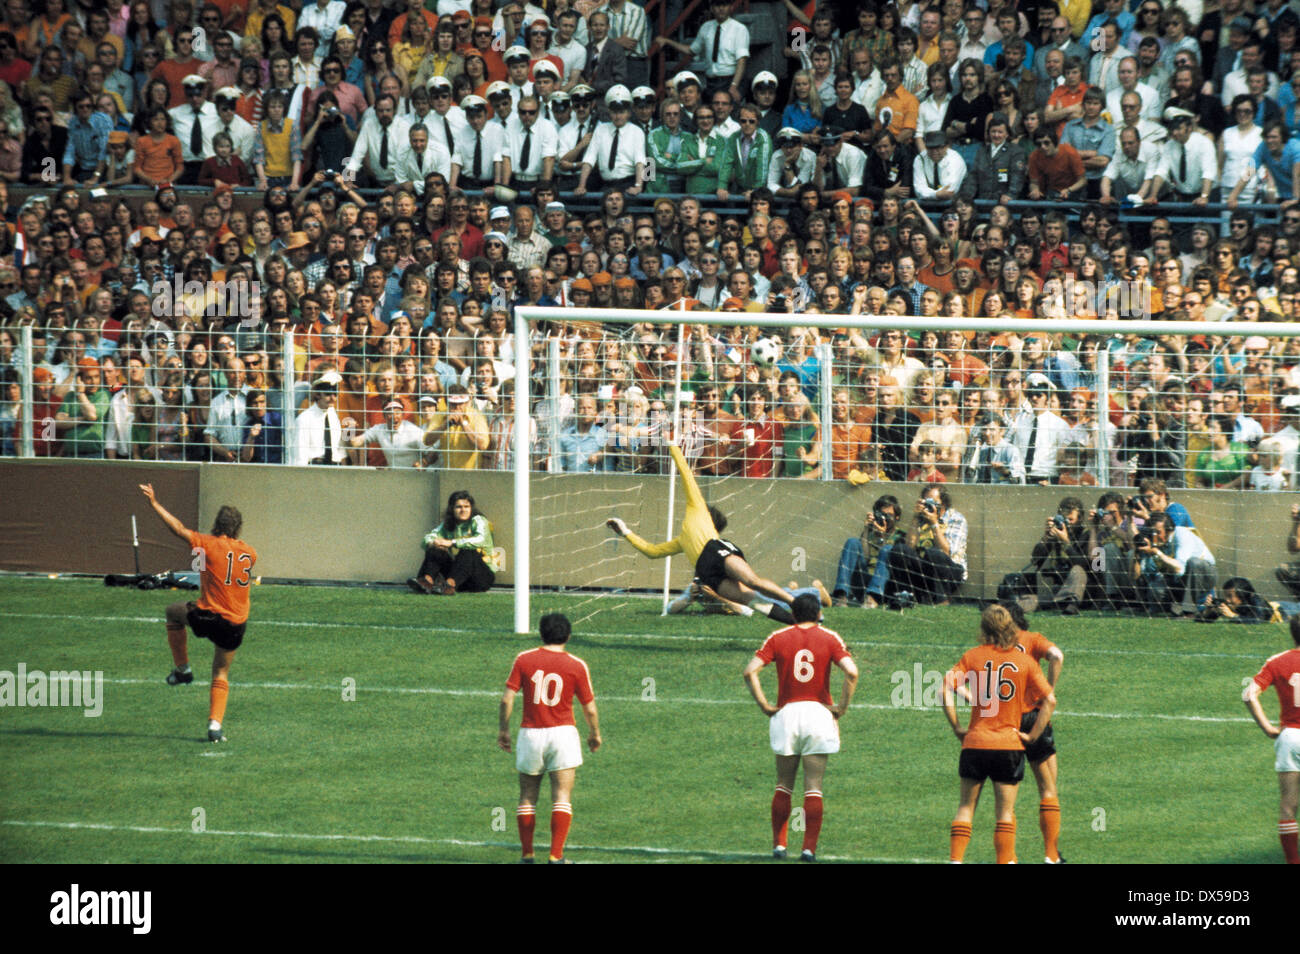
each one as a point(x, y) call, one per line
point(500, 86)
point(498, 212)
point(555, 206)
point(618, 94)
point(764, 77)
point(194, 79)
point(546, 66)
point(227, 92)
point(641, 92)
point(470, 101)
point(1176, 113)
point(330, 377)
point(684, 76)
point(499, 236)
point(789, 133)
point(438, 81)
point(1038, 380)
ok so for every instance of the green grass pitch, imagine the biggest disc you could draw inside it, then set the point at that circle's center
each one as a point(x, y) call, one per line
point(1159, 761)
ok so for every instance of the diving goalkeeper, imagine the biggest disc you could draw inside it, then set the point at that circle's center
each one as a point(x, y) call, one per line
point(719, 564)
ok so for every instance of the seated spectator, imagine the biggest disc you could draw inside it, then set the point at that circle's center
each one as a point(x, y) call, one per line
point(459, 556)
point(930, 563)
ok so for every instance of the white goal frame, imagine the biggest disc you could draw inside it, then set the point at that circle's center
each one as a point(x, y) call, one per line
point(527, 313)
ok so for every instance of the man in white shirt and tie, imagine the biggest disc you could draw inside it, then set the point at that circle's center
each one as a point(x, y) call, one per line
point(378, 143)
point(722, 43)
point(194, 123)
point(1189, 166)
point(530, 146)
point(1039, 438)
point(446, 121)
point(419, 157)
point(939, 173)
point(476, 162)
point(618, 148)
point(318, 434)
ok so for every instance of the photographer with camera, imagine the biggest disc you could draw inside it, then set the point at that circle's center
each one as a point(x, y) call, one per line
point(930, 563)
point(864, 561)
point(1239, 604)
point(1153, 498)
point(1174, 568)
point(1059, 562)
point(1113, 524)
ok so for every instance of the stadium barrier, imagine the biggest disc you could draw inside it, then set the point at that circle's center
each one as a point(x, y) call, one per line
point(365, 525)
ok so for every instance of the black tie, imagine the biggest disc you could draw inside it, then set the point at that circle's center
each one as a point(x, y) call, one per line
point(383, 147)
point(526, 151)
point(1182, 168)
point(419, 161)
point(934, 176)
point(717, 40)
point(478, 156)
point(329, 442)
point(196, 136)
point(613, 152)
point(1033, 441)
point(446, 125)
point(835, 174)
point(590, 68)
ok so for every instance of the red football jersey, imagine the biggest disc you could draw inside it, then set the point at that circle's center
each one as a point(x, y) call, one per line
point(549, 680)
point(803, 656)
point(1283, 672)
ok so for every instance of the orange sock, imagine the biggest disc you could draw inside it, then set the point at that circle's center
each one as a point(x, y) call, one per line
point(1049, 820)
point(179, 646)
point(1287, 832)
point(813, 809)
point(526, 817)
point(1004, 842)
point(561, 819)
point(780, 815)
point(217, 700)
point(958, 839)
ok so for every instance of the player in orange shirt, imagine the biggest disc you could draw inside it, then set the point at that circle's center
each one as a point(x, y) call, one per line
point(221, 613)
point(548, 737)
point(1041, 755)
point(1005, 683)
point(803, 721)
point(1282, 672)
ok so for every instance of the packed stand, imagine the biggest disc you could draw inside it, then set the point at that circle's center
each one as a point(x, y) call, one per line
point(420, 171)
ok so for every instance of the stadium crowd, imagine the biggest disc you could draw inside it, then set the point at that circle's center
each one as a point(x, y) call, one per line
point(422, 170)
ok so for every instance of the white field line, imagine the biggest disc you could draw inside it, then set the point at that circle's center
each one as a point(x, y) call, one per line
point(419, 840)
point(675, 700)
point(670, 637)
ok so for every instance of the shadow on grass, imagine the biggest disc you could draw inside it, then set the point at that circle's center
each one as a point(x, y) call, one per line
point(39, 732)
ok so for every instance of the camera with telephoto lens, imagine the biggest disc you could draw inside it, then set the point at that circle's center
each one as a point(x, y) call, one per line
point(930, 504)
point(1144, 537)
point(879, 517)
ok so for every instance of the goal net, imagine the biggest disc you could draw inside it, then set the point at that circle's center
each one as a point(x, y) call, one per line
point(802, 443)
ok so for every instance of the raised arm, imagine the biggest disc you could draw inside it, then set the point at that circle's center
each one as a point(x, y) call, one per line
point(174, 525)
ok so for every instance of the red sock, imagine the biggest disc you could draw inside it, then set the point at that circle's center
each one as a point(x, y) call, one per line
point(561, 819)
point(1004, 842)
point(1049, 820)
point(179, 647)
point(217, 700)
point(812, 816)
point(526, 818)
point(780, 815)
point(1287, 833)
point(958, 839)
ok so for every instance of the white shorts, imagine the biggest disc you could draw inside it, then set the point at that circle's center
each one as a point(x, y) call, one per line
point(1287, 748)
point(538, 751)
point(804, 728)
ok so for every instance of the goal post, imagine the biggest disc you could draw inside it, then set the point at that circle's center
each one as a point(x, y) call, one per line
point(1119, 334)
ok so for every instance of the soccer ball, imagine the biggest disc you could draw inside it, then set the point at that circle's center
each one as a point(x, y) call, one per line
point(764, 352)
